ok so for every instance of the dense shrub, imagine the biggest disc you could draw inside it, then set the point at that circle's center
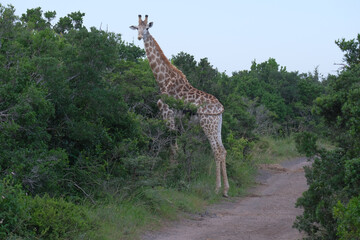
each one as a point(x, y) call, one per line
point(306, 143)
point(331, 204)
point(348, 219)
point(326, 182)
point(13, 209)
point(352, 176)
point(52, 218)
point(38, 218)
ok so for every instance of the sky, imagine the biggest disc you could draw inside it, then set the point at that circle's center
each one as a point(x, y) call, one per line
point(298, 34)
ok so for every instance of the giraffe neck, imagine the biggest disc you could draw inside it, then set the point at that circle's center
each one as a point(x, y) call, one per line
point(169, 78)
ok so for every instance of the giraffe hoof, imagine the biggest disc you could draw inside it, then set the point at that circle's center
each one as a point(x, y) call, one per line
point(225, 195)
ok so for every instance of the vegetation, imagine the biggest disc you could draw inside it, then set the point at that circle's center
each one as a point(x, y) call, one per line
point(84, 152)
point(331, 204)
point(271, 150)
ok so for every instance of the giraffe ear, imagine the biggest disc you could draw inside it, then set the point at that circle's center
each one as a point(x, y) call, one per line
point(150, 24)
point(133, 27)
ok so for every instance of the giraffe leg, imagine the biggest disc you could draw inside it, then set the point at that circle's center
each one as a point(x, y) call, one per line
point(174, 149)
point(223, 158)
point(211, 124)
point(218, 176)
point(169, 116)
point(225, 178)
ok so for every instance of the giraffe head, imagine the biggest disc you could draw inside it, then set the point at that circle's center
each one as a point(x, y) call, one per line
point(143, 28)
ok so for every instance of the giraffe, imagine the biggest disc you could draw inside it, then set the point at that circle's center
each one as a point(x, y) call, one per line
point(173, 82)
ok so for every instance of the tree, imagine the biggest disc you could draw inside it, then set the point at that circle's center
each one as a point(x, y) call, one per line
point(58, 108)
point(73, 20)
point(201, 75)
point(351, 49)
point(328, 204)
point(186, 63)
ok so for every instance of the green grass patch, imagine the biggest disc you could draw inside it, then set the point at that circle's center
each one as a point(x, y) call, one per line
point(119, 221)
point(146, 209)
point(325, 144)
point(269, 150)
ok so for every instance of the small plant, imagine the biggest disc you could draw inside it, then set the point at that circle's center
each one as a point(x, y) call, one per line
point(239, 147)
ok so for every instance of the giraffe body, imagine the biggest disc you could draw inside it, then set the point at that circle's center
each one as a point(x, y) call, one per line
point(174, 83)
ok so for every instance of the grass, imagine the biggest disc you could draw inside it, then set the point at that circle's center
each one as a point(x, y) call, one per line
point(269, 150)
point(119, 221)
point(325, 144)
point(145, 210)
point(148, 208)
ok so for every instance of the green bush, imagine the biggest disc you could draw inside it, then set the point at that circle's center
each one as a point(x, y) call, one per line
point(39, 217)
point(326, 183)
point(332, 180)
point(12, 208)
point(56, 218)
point(239, 167)
point(306, 143)
point(348, 219)
point(352, 176)
point(331, 204)
point(239, 147)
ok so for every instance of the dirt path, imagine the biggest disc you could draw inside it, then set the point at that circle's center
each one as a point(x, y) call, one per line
point(267, 213)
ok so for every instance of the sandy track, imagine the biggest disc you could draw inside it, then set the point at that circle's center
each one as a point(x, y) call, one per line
point(267, 213)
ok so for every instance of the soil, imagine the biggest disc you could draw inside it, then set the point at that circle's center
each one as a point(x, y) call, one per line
point(266, 213)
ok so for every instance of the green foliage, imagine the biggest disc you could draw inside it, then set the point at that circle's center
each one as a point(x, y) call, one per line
point(239, 148)
point(201, 75)
point(72, 21)
point(179, 104)
point(352, 176)
point(56, 218)
point(33, 18)
point(287, 96)
point(39, 217)
point(340, 106)
point(348, 219)
point(62, 120)
point(237, 120)
point(351, 49)
point(167, 202)
point(120, 220)
point(331, 202)
point(144, 209)
point(193, 157)
point(326, 182)
point(273, 150)
point(13, 208)
point(306, 143)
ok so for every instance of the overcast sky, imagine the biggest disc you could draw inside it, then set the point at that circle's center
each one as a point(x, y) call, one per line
point(299, 34)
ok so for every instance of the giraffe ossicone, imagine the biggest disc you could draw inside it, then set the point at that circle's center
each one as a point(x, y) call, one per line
point(173, 82)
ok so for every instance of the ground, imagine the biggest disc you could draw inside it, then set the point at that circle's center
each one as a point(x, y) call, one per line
point(266, 213)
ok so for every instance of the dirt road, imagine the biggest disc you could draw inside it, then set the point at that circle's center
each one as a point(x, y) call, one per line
point(267, 213)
